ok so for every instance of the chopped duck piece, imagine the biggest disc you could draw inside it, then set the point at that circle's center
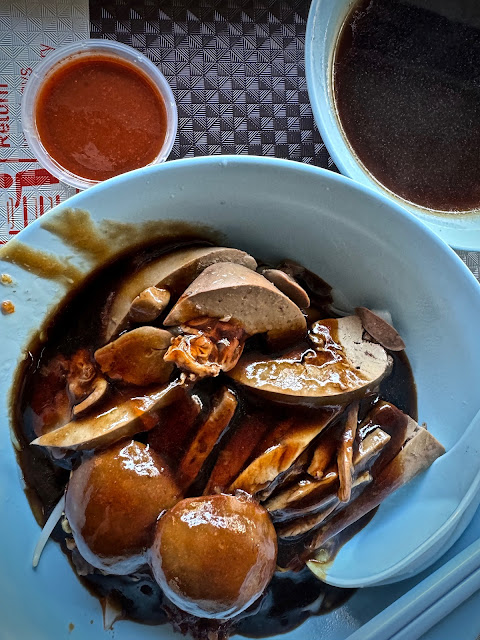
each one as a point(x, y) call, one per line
point(50, 401)
point(339, 369)
point(380, 330)
point(149, 304)
point(287, 285)
point(303, 525)
point(322, 457)
point(286, 477)
point(173, 271)
point(81, 373)
point(63, 381)
point(207, 347)
point(207, 436)
point(99, 391)
point(392, 421)
point(345, 454)
point(137, 357)
point(237, 451)
point(279, 504)
point(307, 496)
point(277, 458)
point(370, 448)
point(416, 456)
point(112, 425)
point(175, 426)
point(232, 291)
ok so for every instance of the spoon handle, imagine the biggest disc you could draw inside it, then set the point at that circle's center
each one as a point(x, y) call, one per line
point(429, 602)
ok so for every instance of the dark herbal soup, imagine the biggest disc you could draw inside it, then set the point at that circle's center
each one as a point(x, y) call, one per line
point(89, 396)
point(407, 91)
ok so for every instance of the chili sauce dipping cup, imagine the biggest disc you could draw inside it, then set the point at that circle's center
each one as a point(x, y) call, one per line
point(133, 147)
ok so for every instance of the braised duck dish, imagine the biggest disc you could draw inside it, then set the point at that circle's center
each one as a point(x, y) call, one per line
point(201, 433)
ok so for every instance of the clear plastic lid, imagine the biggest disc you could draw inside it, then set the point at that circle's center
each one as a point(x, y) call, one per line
point(76, 51)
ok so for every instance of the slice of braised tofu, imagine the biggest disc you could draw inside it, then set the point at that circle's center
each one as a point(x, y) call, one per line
point(339, 367)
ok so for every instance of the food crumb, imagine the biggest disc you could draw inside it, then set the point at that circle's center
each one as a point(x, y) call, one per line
point(71, 627)
point(6, 279)
point(7, 307)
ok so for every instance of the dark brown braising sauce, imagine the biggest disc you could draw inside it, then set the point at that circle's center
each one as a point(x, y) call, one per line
point(407, 93)
point(291, 596)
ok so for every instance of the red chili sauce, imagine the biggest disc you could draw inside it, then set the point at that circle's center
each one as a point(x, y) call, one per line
point(99, 116)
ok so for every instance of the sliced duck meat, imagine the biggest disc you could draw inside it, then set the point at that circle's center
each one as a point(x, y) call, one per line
point(207, 436)
point(392, 421)
point(295, 528)
point(308, 496)
point(282, 504)
point(299, 527)
point(339, 368)
point(278, 457)
point(173, 271)
point(237, 451)
point(322, 457)
point(176, 422)
point(287, 285)
point(149, 304)
point(295, 470)
point(416, 456)
point(234, 292)
point(370, 448)
point(380, 330)
point(137, 357)
point(111, 425)
point(345, 453)
point(207, 347)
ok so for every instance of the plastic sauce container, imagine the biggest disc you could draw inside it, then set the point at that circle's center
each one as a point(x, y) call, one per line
point(95, 109)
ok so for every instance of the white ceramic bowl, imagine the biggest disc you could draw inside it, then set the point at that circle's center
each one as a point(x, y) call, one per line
point(324, 23)
point(359, 241)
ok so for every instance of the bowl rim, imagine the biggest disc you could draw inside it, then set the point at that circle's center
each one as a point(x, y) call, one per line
point(76, 50)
